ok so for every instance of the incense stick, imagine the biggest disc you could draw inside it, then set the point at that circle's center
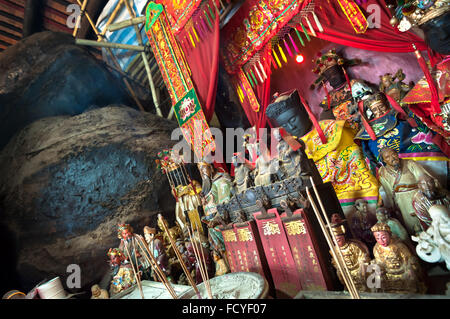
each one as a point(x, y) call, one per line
point(334, 238)
point(330, 244)
point(135, 274)
point(153, 262)
point(199, 261)
point(159, 273)
point(180, 258)
point(207, 284)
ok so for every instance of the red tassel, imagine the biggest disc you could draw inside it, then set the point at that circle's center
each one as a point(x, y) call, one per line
point(348, 80)
point(314, 120)
point(364, 121)
point(399, 109)
point(436, 108)
point(328, 95)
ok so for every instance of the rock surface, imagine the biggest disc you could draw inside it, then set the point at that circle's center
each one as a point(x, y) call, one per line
point(68, 181)
point(45, 75)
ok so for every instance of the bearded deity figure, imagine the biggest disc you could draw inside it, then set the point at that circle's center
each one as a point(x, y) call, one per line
point(399, 179)
point(338, 104)
point(401, 272)
point(429, 193)
point(338, 160)
point(356, 257)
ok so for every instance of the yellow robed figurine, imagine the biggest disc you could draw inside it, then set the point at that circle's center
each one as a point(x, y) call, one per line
point(341, 162)
point(400, 269)
point(338, 159)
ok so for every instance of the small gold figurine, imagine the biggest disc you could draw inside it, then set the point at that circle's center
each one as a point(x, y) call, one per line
point(356, 257)
point(400, 269)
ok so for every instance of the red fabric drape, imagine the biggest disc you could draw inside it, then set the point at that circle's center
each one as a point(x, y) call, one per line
point(203, 61)
point(338, 29)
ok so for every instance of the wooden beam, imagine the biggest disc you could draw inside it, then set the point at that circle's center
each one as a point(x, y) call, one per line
point(33, 17)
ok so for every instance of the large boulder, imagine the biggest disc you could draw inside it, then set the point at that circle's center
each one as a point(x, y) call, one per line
point(66, 184)
point(45, 75)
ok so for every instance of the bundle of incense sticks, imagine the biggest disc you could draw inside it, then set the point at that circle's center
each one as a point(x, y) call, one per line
point(200, 258)
point(154, 264)
point(332, 242)
point(135, 271)
point(180, 258)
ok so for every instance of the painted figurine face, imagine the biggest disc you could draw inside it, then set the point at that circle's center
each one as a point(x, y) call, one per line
point(391, 158)
point(382, 215)
point(126, 234)
point(383, 238)
point(115, 260)
point(378, 109)
point(291, 122)
point(427, 186)
point(340, 240)
point(362, 206)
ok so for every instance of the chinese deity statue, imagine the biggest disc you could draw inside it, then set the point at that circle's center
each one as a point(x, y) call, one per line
point(242, 176)
point(360, 221)
point(217, 187)
point(292, 163)
point(356, 257)
point(339, 160)
point(265, 168)
point(393, 85)
point(98, 293)
point(434, 243)
point(122, 274)
point(386, 127)
point(397, 229)
point(185, 190)
point(399, 179)
point(221, 266)
point(156, 247)
point(429, 193)
point(401, 272)
point(330, 68)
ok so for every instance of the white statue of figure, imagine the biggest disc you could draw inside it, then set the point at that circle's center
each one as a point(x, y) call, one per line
point(434, 243)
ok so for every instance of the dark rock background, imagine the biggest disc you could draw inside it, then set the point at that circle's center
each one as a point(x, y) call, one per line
point(67, 181)
point(45, 75)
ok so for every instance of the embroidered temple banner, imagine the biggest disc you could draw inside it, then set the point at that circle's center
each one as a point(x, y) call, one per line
point(175, 73)
point(354, 15)
point(179, 12)
point(256, 22)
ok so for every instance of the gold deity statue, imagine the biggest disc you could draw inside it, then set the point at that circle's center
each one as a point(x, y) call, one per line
point(400, 269)
point(356, 257)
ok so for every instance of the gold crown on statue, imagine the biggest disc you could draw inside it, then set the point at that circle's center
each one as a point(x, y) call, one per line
point(375, 99)
point(338, 229)
point(327, 56)
point(380, 227)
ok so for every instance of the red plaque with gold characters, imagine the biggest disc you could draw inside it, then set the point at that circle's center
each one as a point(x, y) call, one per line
point(313, 272)
point(230, 240)
point(249, 244)
point(281, 263)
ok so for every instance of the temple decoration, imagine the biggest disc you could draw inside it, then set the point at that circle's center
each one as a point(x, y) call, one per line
point(176, 76)
point(354, 15)
point(255, 24)
point(185, 190)
point(179, 12)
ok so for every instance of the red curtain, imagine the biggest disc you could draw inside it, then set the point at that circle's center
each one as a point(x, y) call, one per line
point(203, 61)
point(338, 29)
